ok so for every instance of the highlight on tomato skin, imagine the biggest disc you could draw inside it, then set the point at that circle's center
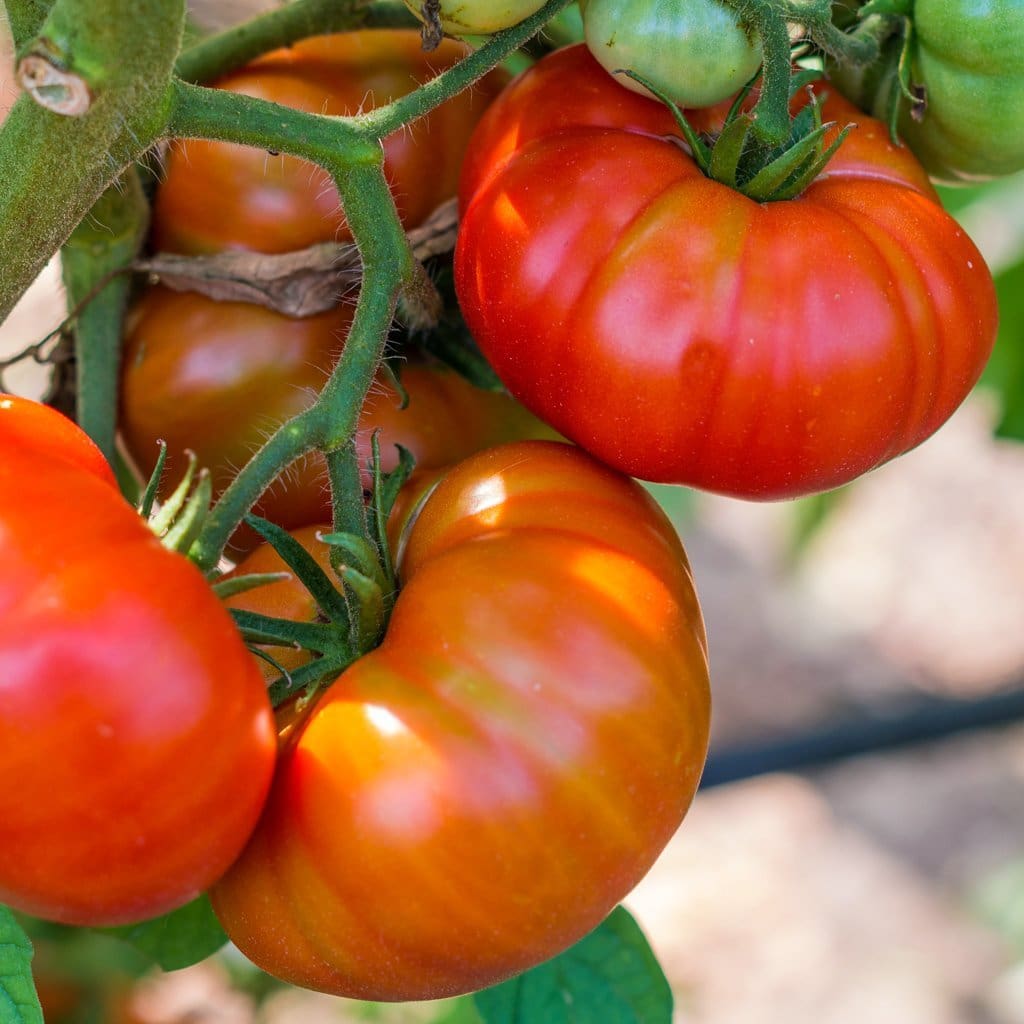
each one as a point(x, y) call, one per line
point(477, 793)
point(136, 738)
point(29, 426)
point(759, 350)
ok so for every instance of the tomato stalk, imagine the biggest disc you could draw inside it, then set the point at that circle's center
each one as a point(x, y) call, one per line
point(772, 19)
point(240, 44)
point(389, 118)
point(105, 242)
point(53, 167)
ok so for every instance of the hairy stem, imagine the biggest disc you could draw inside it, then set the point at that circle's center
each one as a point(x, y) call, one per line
point(238, 45)
point(384, 120)
point(53, 167)
point(105, 242)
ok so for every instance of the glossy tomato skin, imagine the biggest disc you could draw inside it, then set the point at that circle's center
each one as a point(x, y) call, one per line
point(696, 52)
point(218, 196)
point(693, 335)
point(29, 427)
point(968, 56)
point(219, 377)
point(477, 793)
point(136, 739)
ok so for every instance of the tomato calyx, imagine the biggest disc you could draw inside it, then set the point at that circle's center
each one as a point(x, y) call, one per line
point(328, 640)
point(180, 518)
point(353, 607)
point(736, 157)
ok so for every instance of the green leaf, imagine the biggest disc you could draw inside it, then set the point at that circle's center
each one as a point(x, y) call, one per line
point(178, 939)
point(609, 977)
point(18, 1001)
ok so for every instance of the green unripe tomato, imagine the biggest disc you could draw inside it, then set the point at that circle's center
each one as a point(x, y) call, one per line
point(968, 56)
point(479, 17)
point(695, 51)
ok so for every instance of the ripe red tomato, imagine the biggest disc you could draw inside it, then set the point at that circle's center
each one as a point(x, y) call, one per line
point(684, 333)
point(478, 792)
point(219, 196)
point(136, 739)
point(219, 377)
point(33, 428)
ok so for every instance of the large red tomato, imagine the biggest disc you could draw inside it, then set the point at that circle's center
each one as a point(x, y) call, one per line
point(219, 377)
point(220, 196)
point(478, 792)
point(136, 739)
point(684, 333)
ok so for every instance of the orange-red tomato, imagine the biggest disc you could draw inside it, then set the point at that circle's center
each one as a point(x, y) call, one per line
point(136, 739)
point(684, 333)
point(219, 377)
point(478, 792)
point(33, 428)
point(219, 196)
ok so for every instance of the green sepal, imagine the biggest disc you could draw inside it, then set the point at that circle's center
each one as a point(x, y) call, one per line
point(161, 522)
point(361, 552)
point(739, 160)
point(792, 164)
point(153, 484)
point(389, 367)
point(277, 632)
point(257, 652)
point(232, 585)
point(371, 614)
point(728, 150)
point(189, 523)
point(386, 488)
point(307, 677)
point(795, 185)
point(699, 150)
point(327, 596)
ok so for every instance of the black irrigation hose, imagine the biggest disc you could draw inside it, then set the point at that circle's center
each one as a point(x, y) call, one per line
point(893, 725)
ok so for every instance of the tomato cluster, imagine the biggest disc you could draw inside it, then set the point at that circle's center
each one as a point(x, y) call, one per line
point(474, 792)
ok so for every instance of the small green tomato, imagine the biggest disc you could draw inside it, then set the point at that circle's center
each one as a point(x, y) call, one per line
point(695, 51)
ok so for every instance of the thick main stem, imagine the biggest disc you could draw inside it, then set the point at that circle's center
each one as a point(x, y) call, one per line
point(53, 167)
point(104, 243)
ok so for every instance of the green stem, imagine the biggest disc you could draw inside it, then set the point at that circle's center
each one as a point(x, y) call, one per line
point(355, 162)
point(816, 19)
point(53, 167)
point(771, 113)
point(389, 118)
point(349, 509)
point(106, 241)
point(238, 45)
point(199, 112)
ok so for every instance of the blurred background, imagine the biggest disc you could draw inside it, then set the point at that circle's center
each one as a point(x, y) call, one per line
point(886, 888)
